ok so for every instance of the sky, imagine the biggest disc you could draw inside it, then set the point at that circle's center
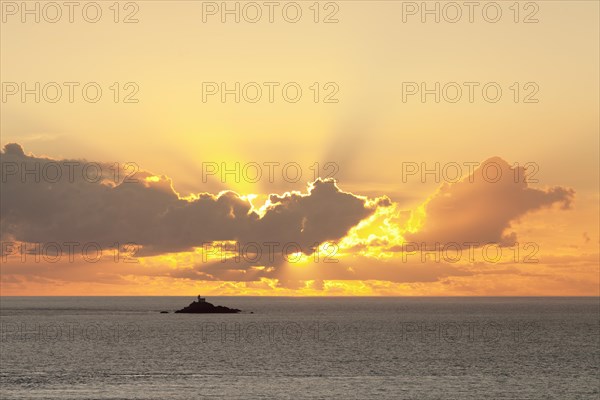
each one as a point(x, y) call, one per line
point(328, 148)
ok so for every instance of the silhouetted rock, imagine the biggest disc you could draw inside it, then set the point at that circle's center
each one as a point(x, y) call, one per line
point(203, 307)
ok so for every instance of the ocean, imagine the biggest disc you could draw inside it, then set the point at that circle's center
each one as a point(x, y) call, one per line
point(300, 348)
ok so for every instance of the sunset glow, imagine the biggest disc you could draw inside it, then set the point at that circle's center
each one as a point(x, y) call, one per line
point(396, 157)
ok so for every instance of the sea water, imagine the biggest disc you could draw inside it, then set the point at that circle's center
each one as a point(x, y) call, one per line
point(294, 348)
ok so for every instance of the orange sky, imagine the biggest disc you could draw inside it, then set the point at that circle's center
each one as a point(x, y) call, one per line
point(356, 122)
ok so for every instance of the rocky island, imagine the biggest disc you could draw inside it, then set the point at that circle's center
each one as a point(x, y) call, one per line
point(203, 307)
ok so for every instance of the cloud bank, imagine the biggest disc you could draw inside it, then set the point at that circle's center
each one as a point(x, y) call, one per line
point(97, 202)
point(86, 204)
point(480, 208)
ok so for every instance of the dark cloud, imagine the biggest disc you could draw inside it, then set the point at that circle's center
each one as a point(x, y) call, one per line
point(85, 206)
point(107, 208)
point(14, 149)
point(481, 207)
point(355, 267)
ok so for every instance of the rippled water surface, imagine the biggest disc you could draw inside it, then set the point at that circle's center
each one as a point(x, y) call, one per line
point(350, 348)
